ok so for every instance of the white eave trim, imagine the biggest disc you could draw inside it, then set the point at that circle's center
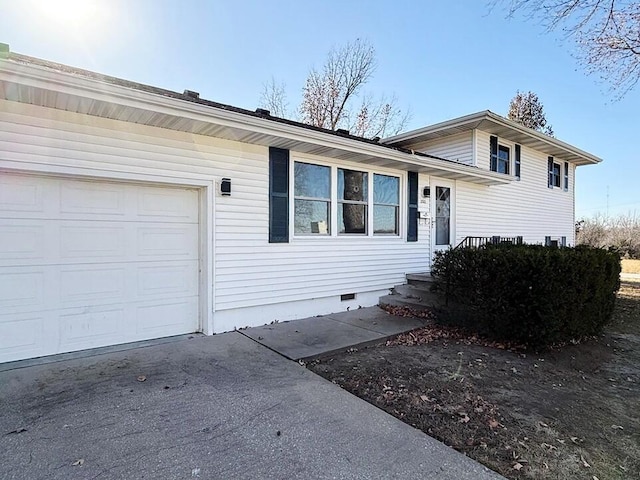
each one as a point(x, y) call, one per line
point(37, 76)
point(473, 121)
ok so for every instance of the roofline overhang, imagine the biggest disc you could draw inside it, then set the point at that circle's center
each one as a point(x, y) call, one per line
point(274, 132)
point(488, 119)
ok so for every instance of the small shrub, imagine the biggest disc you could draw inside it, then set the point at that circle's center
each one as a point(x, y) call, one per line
point(529, 294)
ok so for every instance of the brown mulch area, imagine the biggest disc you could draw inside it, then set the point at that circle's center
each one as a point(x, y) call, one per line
point(567, 413)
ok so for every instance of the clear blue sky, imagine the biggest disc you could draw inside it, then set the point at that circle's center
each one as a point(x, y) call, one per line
point(441, 58)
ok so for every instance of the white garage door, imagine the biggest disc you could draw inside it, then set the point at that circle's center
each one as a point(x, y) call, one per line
point(85, 264)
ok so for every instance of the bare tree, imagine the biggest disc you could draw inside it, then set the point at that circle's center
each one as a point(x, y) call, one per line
point(621, 232)
point(607, 33)
point(527, 109)
point(274, 98)
point(379, 117)
point(326, 93)
point(333, 97)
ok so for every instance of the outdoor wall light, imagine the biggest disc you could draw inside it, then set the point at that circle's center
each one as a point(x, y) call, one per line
point(426, 192)
point(225, 187)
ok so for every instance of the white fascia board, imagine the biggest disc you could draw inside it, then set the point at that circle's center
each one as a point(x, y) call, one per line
point(496, 119)
point(74, 85)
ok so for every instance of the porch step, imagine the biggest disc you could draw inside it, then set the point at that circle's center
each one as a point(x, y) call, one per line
point(399, 301)
point(420, 280)
point(416, 293)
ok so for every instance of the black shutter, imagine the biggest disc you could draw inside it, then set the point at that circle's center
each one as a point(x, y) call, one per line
point(493, 146)
point(412, 220)
point(566, 176)
point(550, 169)
point(517, 160)
point(278, 195)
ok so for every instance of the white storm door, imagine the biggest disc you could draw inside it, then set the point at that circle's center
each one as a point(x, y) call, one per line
point(442, 211)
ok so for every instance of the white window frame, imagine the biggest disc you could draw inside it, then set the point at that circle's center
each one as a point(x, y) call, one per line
point(511, 147)
point(329, 200)
point(509, 159)
point(333, 213)
point(556, 178)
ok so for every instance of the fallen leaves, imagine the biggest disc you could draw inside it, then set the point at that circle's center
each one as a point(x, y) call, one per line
point(141, 378)
point(432, 333)
point(78, 463)
point(406, 311)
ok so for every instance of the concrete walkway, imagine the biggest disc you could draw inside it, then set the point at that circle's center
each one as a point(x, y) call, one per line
point(220, 407)
point(327, 334)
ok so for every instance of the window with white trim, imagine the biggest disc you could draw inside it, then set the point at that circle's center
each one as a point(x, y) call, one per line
point(386, 204)
point(353, 201)
point(501, 159)
point(360, 203)
point(554, 173)
point(312, 199)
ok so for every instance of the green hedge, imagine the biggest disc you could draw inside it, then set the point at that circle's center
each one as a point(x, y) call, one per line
point(529, 294)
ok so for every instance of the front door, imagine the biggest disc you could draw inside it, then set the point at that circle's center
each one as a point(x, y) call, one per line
point(442, 222)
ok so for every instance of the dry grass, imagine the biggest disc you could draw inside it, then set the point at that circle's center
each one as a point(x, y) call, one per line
point(630, 266)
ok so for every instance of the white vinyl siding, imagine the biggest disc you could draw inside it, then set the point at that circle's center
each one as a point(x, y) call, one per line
point(247, 270)
point(526, 207)
point(457, 147)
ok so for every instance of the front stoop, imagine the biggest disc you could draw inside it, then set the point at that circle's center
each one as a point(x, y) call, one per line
point(416, 293)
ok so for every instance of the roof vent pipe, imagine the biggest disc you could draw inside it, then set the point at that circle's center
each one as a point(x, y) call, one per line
point(191, 94)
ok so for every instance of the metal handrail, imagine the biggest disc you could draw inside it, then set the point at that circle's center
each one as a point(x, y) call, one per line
point(477, 242)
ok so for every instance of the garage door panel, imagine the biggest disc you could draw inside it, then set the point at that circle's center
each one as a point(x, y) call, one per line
point(160, 319)
point(178, 279)
point(94, 328)
point(19, 195)
point(170, 206)
point(21, 336)
point(81, 241)
point(92, 198)
point(21, 289)
point(21, 241)
point(87, 264)
point(172, 242)
point(51, 241)
point(87, 284)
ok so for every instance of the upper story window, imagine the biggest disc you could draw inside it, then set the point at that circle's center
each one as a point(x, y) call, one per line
point(500, 157)
point(554, 173)
point(312, 199)
point(503, 160)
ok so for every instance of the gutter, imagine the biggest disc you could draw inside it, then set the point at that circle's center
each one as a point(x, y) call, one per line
point(76, 85)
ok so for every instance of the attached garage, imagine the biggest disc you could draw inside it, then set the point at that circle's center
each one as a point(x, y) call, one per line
point(90, 263)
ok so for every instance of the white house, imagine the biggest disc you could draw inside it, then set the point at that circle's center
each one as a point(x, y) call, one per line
point(129, 212)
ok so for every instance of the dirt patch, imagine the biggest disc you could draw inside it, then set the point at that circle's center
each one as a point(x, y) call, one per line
point(569, 413)
point(630, 266)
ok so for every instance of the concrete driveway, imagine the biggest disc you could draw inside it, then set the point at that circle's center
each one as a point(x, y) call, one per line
point(209, 407)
